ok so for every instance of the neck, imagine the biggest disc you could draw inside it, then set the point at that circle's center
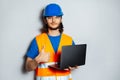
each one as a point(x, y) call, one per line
point(53, 32)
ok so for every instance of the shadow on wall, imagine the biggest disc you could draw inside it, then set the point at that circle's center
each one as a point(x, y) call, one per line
point(41, 19)
point(23, 69)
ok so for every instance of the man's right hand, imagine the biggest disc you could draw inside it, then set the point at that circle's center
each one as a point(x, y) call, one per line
point(43, 56)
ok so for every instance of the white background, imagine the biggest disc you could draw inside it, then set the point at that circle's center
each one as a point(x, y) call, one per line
point(95, 22)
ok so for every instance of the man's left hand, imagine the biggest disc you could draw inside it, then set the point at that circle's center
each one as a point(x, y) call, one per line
point(71, 68)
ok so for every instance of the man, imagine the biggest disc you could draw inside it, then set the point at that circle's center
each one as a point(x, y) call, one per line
point(45, 48)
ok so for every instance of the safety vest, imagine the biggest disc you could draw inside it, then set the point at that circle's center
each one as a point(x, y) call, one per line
point(43, 72)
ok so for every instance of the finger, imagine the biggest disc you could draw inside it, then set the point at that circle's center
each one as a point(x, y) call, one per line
point(43, 49)
point(66, 69)
point(76, 67)
point(47, 55)
point(71, 68)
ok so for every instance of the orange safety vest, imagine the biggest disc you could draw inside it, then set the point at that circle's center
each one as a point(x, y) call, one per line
point(43, 72)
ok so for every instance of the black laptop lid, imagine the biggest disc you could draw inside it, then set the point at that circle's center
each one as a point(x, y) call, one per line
point(73, 55)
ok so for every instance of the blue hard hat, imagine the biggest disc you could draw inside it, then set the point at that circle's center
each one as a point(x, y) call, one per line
point(53, 10)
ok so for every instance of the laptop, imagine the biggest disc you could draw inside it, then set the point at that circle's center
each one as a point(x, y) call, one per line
point(71, 56)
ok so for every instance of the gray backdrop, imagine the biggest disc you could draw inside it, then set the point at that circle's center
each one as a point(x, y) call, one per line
point(95, 22)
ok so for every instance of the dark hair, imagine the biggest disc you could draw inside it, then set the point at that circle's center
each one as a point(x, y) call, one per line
point(44, 29)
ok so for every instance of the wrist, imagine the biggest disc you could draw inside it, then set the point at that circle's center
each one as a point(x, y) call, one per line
point(37, 60)
point(31, 65)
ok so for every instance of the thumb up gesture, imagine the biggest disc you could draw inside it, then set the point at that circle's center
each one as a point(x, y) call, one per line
point(43, 56)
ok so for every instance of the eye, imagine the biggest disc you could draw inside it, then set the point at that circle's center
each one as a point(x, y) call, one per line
point(49, 17)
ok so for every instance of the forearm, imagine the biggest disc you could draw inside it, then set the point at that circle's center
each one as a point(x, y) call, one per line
point(31, 65)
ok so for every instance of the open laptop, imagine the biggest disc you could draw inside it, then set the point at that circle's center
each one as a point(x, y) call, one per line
point(72, 55)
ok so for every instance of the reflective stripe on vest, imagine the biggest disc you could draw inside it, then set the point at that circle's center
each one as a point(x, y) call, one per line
point(43, 70)
point(45, 65)
point(68, 77)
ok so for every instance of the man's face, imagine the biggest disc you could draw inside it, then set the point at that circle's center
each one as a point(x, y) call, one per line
point(53, 21)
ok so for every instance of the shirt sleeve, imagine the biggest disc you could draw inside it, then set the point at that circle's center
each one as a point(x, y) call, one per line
point(33, 49)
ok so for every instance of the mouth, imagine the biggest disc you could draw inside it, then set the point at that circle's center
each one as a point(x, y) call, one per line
point(53, 23)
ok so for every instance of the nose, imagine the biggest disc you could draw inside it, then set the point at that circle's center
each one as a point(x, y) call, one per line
point(53, 19)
